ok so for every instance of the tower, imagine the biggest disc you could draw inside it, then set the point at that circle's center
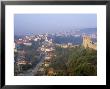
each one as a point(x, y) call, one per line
point(87, 43)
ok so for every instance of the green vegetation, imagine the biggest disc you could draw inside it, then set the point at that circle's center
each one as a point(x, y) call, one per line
point(75, 62)
point(31, 54)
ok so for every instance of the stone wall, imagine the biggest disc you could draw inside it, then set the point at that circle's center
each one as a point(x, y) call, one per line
point(88, 43)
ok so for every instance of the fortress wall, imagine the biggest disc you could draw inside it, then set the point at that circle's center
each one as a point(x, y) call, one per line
point(87, 42)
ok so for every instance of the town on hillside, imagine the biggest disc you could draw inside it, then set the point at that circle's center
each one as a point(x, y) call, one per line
point(59, 54)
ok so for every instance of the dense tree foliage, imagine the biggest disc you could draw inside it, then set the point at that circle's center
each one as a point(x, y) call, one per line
point(75, 61)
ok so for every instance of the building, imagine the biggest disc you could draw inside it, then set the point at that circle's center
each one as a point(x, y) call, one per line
point(88, 43)
point(15, 49)
point(47, 57)
point(64, 45)
point(46, 63)
point(23, 62)
point(27, 44)
point(50, 72)
point(49, 49)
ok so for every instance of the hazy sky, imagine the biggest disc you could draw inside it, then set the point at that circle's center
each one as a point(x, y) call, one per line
point(52, 23)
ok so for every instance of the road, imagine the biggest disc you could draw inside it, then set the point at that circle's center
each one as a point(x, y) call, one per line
point(32, 71)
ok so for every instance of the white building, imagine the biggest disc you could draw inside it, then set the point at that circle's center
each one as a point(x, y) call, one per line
point(35, 39)
point(47, 57)
point(27, 44)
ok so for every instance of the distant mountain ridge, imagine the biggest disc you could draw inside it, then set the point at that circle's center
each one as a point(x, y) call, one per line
point(88, 30)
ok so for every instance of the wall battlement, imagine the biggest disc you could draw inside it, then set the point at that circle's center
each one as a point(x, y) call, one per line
point(88, 43)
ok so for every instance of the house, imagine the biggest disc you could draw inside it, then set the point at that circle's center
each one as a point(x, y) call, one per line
point(27, 44)
point(50, 72)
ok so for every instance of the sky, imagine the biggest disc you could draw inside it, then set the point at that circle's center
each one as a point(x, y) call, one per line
point(52, 23)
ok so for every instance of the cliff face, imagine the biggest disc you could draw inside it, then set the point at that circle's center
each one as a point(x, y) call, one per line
point(87, 43)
